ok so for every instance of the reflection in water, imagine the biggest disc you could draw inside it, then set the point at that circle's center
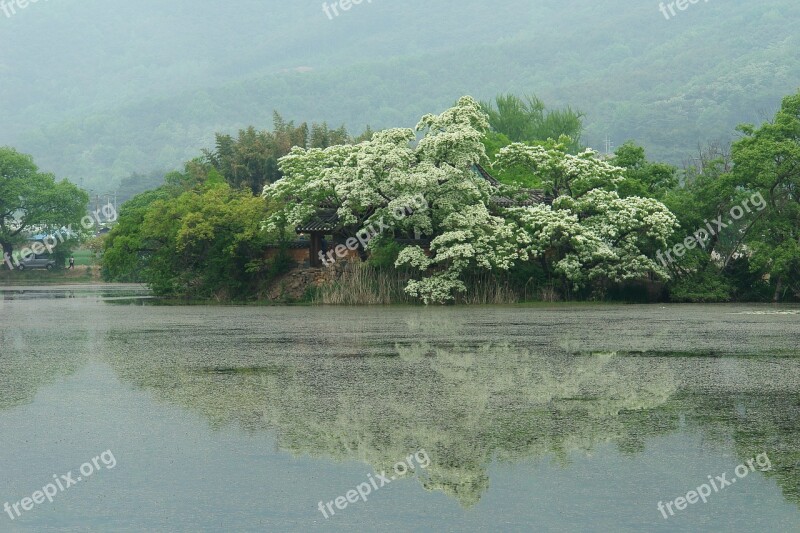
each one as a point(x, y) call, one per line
point(48, 333)
point(335, 385)
point(60, 292)
point(34, 356)
point(757, 423)
point(467, 405)
point(36, 350)
point(464, 404)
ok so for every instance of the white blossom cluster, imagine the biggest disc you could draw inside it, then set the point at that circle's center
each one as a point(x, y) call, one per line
point(561, 173)
point(598, 236)
point(589, 233)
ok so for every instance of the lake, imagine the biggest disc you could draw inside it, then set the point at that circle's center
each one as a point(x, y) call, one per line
point(518, 418)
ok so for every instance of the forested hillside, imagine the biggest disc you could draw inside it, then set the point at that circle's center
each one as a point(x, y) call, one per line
point(156, 96)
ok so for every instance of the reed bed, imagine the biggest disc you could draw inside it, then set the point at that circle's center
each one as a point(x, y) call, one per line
point(362, 284)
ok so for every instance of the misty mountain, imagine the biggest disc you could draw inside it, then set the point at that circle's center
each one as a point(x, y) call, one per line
point(99, 90)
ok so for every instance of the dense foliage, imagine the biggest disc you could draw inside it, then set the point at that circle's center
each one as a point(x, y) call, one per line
point(611, 224)
point(590, 236)
point(251, 159)
point(33, 201)
point(767, 161)
point(195, 236)
point(528, 119)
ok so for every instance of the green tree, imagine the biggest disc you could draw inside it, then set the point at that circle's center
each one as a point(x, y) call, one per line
point(721, 268)
point(322, 136)
point(205, 243)
point(527, 119)
point(642, 177)
point(125, 253)
point(767, 161)
point(34, 201)
point(251, 159)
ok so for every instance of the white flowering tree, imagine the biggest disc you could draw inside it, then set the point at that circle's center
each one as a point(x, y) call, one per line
point(588, 234)
point(560, 173)
point(371, 181)
point(597, 238)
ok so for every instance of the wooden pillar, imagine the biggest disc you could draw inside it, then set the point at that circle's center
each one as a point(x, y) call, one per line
point(315, 249)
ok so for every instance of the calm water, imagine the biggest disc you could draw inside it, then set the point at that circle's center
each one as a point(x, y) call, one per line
point(563, 418)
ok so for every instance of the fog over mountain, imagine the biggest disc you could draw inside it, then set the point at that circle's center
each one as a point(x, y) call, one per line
point(97, 90)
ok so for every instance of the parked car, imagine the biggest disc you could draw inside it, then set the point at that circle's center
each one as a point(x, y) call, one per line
point(37, 261)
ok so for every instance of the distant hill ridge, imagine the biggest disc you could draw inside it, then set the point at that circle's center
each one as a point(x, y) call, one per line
point(100, 90)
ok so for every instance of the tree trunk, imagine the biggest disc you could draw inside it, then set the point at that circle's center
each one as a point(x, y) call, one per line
point(778, 288)
point(6, 248)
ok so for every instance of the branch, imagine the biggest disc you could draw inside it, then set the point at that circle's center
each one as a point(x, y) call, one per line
point(739, 242)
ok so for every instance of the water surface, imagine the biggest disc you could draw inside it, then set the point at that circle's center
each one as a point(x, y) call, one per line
point(554, 418)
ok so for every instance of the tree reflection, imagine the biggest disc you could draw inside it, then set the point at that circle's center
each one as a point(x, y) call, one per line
point(465, 404)
point(31, 358)
point(757, 423)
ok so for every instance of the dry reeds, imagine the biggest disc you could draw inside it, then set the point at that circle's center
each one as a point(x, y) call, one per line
point(486, 289)
point(362, 284)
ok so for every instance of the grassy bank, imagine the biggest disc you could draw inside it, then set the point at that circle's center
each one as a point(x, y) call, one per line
point(81, 274)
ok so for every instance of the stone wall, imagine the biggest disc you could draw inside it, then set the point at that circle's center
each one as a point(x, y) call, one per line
point(294, 285)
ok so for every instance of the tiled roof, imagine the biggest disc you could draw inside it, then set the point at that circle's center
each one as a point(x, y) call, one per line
point(485, 175)
point(292, 245)
point(323, 220)
point(527, 197)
